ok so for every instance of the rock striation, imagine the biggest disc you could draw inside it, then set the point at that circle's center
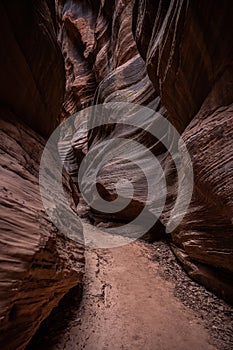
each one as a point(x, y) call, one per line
point(119, 74)
point(27, 89)
point(38, 264)
point(176, 58)
point(188, 52)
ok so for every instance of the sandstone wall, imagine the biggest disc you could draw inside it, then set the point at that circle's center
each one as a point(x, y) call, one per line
point(176, 58)
point(38, 264)
point(188, 51)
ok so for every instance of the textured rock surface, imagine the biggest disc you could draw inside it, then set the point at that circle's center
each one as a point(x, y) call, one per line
point(38, 264)
point(76, 23)
point(30, 61)
point(186, 49)
point(176, 59)
point(120, 75)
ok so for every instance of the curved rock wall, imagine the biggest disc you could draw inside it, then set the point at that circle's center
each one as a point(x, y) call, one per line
point(108, 47)
point(188, 50)
point(30, 61)
point(176, 58)
point(38, 264)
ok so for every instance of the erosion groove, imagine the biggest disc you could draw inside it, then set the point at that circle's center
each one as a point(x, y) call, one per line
point(60, 57)
point(172, 58)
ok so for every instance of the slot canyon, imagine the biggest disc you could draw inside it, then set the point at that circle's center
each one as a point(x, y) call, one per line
point(74, 273)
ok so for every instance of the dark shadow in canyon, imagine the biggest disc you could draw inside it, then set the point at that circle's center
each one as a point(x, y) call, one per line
point(51, 328)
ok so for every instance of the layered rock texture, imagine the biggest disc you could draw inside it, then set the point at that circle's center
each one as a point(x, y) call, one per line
point(188, 51)
point(38, 264)
point(176, 58)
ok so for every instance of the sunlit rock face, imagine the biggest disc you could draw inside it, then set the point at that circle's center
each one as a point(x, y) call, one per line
point(176, 58)
point(38, 264)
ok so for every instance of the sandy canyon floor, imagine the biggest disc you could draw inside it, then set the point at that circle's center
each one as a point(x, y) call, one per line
point(137, 297)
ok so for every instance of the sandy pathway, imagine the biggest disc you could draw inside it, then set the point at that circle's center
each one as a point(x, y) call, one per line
point(127, 305)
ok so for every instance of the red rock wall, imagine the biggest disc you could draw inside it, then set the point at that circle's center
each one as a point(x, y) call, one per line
point(175, 57)
point(30, 61)
point(188, 50)
point(38, 264)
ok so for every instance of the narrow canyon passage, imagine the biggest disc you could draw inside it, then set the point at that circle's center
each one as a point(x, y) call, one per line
point(127, 305)
point(116, 114)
